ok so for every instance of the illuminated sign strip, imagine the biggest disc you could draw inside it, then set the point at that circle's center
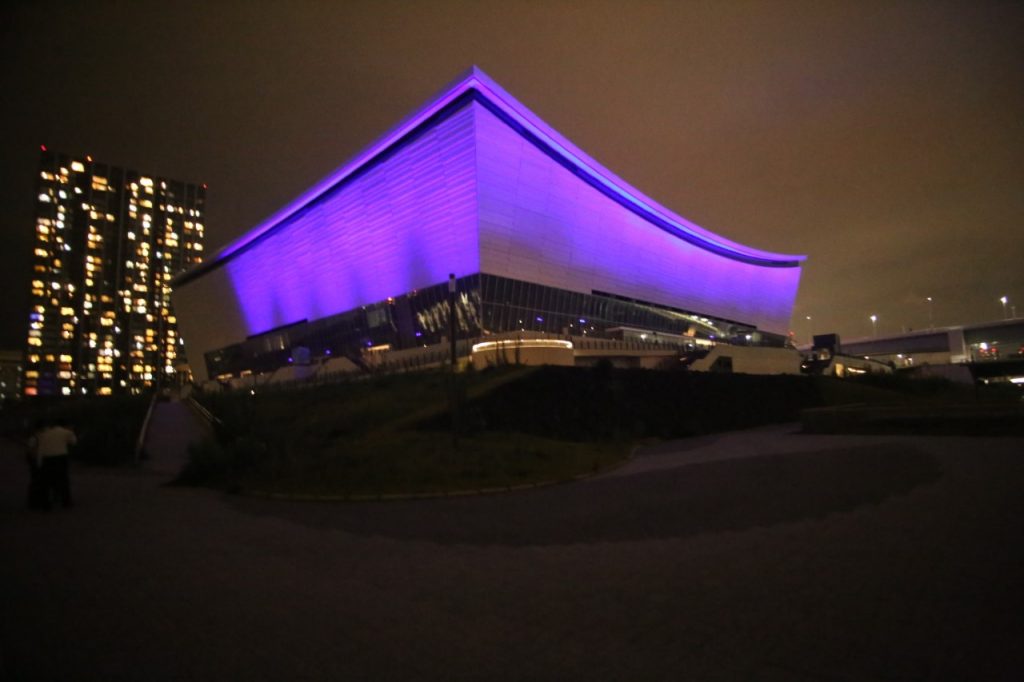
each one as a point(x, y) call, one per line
point(521, 343)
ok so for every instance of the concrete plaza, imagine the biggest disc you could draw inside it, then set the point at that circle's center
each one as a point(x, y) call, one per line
point(758, 555)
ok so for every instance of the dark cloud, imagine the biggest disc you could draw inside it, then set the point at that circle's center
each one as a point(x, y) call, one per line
point(884, 140)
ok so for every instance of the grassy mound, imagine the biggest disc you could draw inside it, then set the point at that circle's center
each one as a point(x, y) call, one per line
point(513, 425)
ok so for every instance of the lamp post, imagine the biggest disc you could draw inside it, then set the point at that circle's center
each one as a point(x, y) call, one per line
point(451, 315)
point(931, 317)
point(874, 325)
point(810, 329)
point(454, 386)
point(1004, 300)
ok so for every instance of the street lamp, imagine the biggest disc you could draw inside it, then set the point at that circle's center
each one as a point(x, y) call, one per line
point(451, 315)
point(454, 397)
point(874, 325)
point(810, 328)
point(931, 316)
point(1003, 300)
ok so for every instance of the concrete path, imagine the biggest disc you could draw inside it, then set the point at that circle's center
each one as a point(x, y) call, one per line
point(856, 559)
point(171, 428)
point(769, 440)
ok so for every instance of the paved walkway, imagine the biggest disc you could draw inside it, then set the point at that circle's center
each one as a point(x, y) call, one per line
point(172, 428)
point(831, 558)
point(759, 442)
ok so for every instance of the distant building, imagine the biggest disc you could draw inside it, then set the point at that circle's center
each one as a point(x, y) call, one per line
point(11, 369)
point(990, 351)
point(542, 240)
point(1000, 340)
point(108, 241)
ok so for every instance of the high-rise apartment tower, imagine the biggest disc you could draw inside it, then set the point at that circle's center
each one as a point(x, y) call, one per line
point(107, 243)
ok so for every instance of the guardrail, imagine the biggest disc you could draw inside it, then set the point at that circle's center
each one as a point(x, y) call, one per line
point(141, 440)
point(204, 413)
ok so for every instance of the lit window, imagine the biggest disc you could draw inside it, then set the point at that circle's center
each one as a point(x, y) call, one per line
point(77, 167)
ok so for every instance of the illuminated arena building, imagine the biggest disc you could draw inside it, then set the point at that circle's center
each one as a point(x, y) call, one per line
point(541, 238)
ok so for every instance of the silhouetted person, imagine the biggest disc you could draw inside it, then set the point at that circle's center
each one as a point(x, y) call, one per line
point(36, 494)
point(51, 445)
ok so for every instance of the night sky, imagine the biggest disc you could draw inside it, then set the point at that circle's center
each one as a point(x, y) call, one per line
point(883, 140)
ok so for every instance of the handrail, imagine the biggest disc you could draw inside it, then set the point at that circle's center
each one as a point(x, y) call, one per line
point(207, 416)
point(141, 440)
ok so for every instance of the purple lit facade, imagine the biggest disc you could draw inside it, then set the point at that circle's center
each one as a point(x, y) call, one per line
point(404, 225)
point(473, 184)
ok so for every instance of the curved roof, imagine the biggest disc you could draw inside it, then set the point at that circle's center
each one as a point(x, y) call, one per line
point(477, 85)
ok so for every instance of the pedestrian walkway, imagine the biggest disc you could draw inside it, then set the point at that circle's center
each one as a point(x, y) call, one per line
point(171, 428)
point(894, 561)
point(764, 441)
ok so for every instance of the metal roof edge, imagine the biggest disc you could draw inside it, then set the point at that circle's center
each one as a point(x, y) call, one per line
point(475, 79)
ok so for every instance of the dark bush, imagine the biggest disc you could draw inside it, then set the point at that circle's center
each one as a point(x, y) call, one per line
point(601, 403)
point(107, 427)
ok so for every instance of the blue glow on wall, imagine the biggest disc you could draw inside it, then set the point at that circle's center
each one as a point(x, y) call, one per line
point(540, 223)
point(404, 225)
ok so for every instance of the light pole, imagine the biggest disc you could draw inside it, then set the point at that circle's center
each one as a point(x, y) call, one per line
point(1004, 300)
point(454, 380)
point(810, 329)
point(874, 325)
point(931, 316)
point(451, 315)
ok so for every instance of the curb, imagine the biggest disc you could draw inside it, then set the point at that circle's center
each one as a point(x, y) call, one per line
point(473, 492)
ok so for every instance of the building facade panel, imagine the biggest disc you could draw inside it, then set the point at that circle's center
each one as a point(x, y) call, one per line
point(539, 222)
point(402, 225)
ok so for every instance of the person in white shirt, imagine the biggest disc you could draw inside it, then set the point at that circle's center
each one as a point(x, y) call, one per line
point(51, 445)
